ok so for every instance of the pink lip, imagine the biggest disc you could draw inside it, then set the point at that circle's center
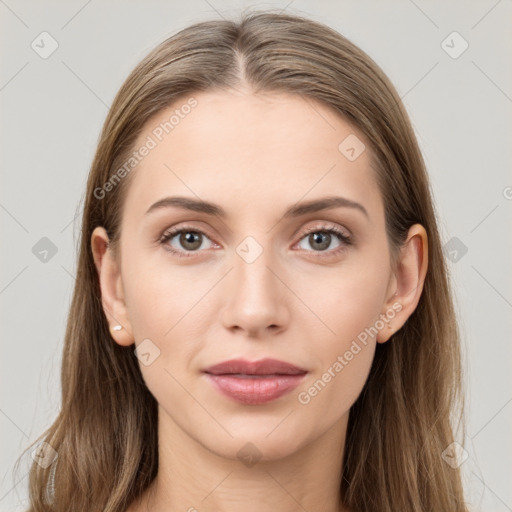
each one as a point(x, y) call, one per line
point(255, 382)
point(262, 367)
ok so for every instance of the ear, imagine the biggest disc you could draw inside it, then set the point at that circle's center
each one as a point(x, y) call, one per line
point(112, 295)
point(406, 283)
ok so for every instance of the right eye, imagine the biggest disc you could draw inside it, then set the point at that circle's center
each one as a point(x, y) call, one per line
point(190, 239)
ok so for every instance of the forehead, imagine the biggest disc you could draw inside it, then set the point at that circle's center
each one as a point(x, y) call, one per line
point(251, 149)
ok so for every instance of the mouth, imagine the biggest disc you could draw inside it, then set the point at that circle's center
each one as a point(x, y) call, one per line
point(254, 383)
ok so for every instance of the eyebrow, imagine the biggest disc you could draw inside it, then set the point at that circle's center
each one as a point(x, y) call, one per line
point(296, 210)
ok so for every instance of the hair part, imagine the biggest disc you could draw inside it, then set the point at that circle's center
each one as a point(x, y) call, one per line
point(106, 431)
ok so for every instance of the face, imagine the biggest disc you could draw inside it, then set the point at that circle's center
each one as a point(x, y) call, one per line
point(250, 281)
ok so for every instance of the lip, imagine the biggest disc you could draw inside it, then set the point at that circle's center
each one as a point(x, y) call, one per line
point(265, 366)
point(254, 383)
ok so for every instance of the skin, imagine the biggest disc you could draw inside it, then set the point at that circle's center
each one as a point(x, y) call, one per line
point(290, 303)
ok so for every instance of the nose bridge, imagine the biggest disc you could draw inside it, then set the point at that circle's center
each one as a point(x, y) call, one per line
point(253, 279)
point(256, 300)
point(252, 273)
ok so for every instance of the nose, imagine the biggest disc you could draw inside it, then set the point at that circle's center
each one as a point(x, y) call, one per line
point(257, 303)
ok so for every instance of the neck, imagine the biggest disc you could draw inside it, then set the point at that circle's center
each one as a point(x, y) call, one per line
point(193, 478)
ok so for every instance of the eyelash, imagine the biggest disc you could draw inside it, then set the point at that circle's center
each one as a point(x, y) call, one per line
point(346, 240)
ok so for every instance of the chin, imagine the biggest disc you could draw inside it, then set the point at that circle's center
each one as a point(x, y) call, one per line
point(256, 444)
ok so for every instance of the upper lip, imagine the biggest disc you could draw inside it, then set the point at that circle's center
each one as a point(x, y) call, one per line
point(262, 367)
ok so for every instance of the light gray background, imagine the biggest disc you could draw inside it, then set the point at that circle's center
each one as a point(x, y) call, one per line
point(52, 112)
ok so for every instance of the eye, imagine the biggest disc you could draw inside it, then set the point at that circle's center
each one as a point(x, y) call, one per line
point(189, 240)
point(320, 239)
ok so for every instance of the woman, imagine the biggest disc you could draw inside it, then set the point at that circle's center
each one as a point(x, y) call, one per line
point(215, 357)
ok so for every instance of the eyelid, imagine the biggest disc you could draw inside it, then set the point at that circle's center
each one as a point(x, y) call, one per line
point(322, 226)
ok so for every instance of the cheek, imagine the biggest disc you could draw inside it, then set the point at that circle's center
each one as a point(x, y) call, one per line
point(159, 295)
point(349, 304)
point(344, 301)
point(171, 306)
point(344, 358)
point(334, 390)
point(164, 306)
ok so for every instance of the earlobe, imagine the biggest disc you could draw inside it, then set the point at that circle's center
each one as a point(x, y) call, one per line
point(409, 278)
point(112, 295)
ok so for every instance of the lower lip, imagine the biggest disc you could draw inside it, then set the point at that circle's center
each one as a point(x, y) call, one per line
point(255, 390)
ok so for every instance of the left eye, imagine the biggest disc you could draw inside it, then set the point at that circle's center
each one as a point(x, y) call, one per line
point(321, 239)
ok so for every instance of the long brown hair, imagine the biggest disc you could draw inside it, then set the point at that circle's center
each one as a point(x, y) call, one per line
point(106, 432)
